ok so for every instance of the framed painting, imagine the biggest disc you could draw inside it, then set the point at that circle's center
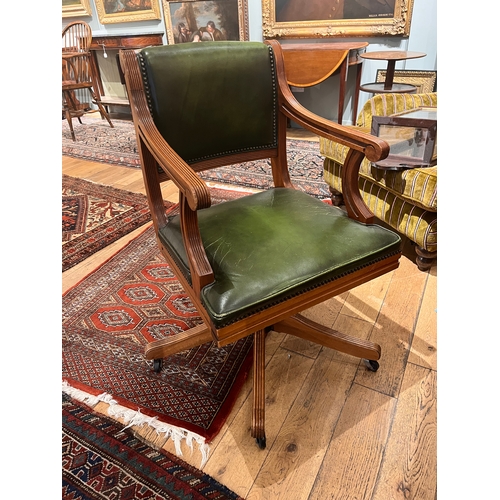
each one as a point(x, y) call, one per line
point(283, 19)
point(127, 11)
point(205, 20)
point(425, 81)
point(73, 8)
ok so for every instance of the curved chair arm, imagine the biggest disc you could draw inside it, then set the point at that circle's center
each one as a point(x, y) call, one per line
point(194, 194)
point(374, 149)
point(184, 177)
point(360, 143)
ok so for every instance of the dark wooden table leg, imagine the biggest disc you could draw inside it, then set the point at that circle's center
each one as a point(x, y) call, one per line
point(355, 99)
point(389, 77)
point(343, 75)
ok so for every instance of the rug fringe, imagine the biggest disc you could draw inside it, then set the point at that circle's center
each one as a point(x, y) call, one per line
point(135, 417)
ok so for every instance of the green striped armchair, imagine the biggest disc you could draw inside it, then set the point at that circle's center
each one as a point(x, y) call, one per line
point(405, 200)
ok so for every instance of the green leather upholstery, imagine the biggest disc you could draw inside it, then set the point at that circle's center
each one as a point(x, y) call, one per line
point(251, 243)
point(219, 115)
point(406, 200)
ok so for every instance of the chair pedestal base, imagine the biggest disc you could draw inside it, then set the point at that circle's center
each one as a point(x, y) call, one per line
point(259, 393)
point(314, 332)
point(193, 337)
point(297, 325)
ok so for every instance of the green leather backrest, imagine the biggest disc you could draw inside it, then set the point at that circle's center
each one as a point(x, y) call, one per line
point(210, 99)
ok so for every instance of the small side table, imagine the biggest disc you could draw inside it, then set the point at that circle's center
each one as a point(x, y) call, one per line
point(389, 86)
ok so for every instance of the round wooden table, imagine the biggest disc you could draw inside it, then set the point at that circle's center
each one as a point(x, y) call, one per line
point(391, 56)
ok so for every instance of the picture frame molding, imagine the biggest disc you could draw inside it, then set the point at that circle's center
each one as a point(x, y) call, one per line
point(127, 17)
point(399, 25)
point(78, 8)
point(425, 81)
point(396, 126)
point(243, 27)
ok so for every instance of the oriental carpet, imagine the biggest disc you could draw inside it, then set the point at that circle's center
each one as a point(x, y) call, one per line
point(109, 316)
point(94, 215)
point(96, 141)
point(101, 459)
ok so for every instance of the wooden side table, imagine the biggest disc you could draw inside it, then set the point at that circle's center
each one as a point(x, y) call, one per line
point(308, 64)
point(391, 56)
point(117, 42)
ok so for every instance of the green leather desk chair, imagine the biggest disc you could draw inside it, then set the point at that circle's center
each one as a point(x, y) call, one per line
point(252, 264)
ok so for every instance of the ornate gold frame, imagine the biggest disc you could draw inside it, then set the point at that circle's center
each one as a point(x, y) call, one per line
point(242, 17)
point(129, 16)
point(73, 8)
point(425, 81)
point(399, 25)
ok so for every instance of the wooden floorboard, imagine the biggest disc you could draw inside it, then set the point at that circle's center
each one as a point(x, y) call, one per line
point(334, 430)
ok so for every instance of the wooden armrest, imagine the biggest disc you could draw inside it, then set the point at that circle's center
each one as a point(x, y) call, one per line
point(194, 194)
point(361, 144)
point(184, 177)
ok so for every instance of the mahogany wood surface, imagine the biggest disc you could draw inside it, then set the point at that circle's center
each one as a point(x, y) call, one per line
point(391, 56)
point(131, 41)
point(310, 64)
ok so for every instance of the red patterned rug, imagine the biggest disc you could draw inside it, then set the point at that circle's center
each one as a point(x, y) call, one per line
point(97, 141)
point(101, 459)
point(93, 216)
point(109, 317)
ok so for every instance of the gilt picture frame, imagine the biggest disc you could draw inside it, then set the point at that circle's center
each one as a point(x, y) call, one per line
point(205, 20)
point(425, 81)
point(112, 11)
point(282, 19)
point(73, 8)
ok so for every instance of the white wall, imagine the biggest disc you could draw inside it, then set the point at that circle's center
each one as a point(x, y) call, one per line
point(321, 99)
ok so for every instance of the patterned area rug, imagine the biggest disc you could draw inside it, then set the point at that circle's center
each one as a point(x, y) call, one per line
point(93, 216)
point(97, 141)
point(101, 459)
point(108, 318)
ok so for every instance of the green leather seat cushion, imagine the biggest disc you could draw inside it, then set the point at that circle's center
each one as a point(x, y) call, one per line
point(266, 247)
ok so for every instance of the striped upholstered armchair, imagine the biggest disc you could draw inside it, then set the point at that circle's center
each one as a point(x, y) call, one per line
point(405, 200)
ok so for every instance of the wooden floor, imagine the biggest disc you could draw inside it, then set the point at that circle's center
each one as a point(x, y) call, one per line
point(334, 430)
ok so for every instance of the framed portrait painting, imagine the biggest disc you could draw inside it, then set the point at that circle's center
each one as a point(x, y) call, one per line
point(335, 18)
point(126, 11)
point(72, 8)
point(205, 20)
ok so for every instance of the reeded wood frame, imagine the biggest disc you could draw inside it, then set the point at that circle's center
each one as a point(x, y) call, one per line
point(425, 81)
point(128, 16)
point(242, 17)
point(75, 8)
point(399, 25)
